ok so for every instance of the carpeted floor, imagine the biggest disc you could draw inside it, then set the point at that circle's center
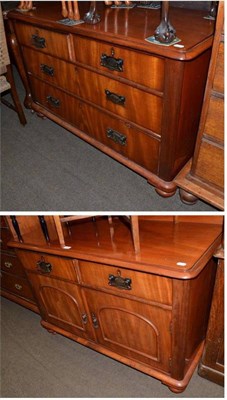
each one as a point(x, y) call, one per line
point(35, 363)
point(46, 168)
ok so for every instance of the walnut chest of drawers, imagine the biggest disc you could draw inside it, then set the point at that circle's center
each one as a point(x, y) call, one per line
point(147, 309)
point(138, 102)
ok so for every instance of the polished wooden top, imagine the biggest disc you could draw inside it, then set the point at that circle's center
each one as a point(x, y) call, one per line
point(130, 27)
point(171, 249)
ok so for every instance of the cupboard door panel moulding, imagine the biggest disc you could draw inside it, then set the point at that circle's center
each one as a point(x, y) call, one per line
point(131, 99)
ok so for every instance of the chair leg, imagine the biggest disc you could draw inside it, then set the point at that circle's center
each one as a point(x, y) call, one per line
point(135, 233)
point(59, 230)
point(15, 97)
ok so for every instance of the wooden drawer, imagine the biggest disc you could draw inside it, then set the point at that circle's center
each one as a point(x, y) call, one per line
point(12, 264)
point(210, 164)
point(122, 137)
point(150, 72)
point(146, 286)
point(128, 102)
point(60, 267)
point(56, 101)
point(218, 83)
point(16, 285)
point(53, 43)
point(215, 118)
point(51, 69)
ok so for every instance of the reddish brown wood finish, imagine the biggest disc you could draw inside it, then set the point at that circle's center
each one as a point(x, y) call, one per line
point(157, 322)
point(14, 283)
point(160, 115)
point(212, 363)
point(204, 178)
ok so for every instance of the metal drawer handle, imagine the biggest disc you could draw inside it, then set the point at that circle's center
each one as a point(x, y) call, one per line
point(94, 320)
point(117, 137)
point(114, 64)
point(115, 98)
point(17, 286)
point(38, 42)
point(119, 282)
point(53, 102)
point(47, 70)
point(84, 318)
point(43, 266)
point(8, 264)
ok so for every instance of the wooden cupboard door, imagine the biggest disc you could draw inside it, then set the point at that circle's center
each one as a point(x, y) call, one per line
point(131, 328)
point(61, 304)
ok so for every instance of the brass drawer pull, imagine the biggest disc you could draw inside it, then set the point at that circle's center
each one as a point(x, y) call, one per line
point(47, 70)
point(38, 42)
point(94, 320)
point(119, 282)
point(8, 264)
point(114, 64)
point(117, 137)
point(84, 318)
point(43, 266)
point(115, 98)
point(17, 286)
point(53, 102)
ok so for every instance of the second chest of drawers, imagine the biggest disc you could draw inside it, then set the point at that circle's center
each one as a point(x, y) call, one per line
point(131, 101)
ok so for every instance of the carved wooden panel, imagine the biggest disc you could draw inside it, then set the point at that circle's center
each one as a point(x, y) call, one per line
point(61, 304)
point(133, 329)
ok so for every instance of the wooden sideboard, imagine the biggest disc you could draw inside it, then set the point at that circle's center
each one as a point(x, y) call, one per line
point(136, 101)
point(14, 283)
point(148, 309)
point(203, 177)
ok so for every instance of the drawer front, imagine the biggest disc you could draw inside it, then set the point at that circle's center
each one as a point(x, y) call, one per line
point(215, 118)
point(143, 285)
point(122, 137)
point(17, 285)
point(128, 102)
point(210, 164)
point(60, 267)
point(56, 101)
point(52, 70)
point(218, 83)
point(12, 265)
point(53, 43)
point(137, 67)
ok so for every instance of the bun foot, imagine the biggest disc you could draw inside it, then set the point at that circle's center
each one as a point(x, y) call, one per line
point(51, 331)
point(163, 188)
point(46, 325)
point(165, 194)
point(176, 390)
point(187, 197)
